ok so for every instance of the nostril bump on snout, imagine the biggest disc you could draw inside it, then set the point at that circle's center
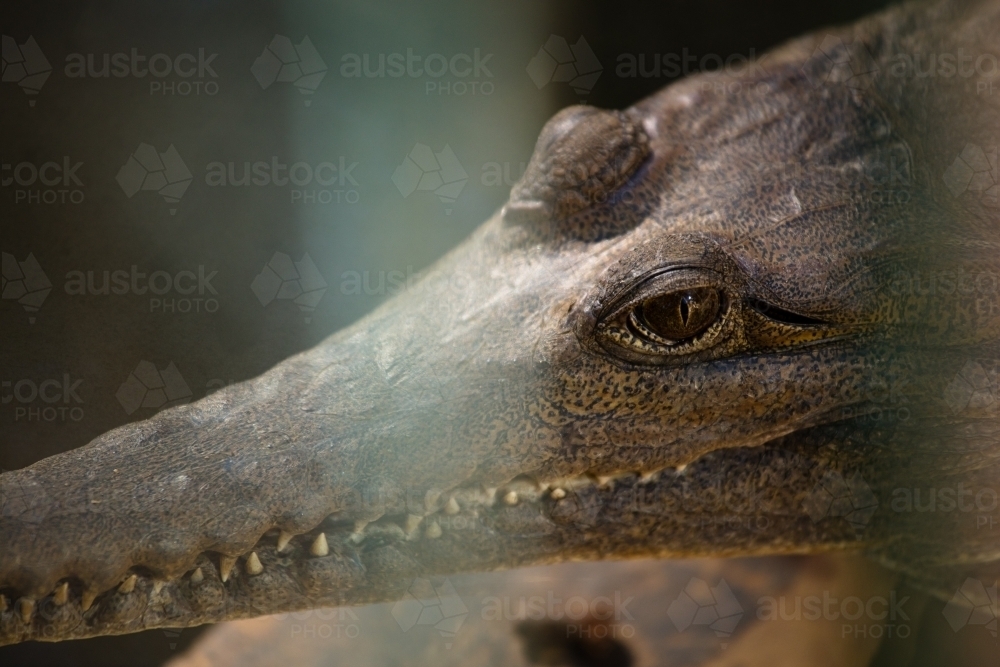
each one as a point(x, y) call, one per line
point(583, 155)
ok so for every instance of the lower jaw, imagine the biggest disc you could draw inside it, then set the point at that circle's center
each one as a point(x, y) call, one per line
point(345, 562)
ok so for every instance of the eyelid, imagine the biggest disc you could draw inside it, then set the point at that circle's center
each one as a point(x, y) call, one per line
point(777, 314)
point(662, 282)
point(614, 334)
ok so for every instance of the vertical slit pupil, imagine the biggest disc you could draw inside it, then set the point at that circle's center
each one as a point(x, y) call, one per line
point(681, 314)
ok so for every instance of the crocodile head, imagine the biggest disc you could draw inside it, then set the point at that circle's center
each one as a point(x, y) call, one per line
point(696, 328)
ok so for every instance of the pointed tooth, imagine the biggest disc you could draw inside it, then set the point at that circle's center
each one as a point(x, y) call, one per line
point(648, 476)
point(433, 530)
point(283, 540)
point(3, 603)
point(510, 498)
point(452, 506)
point(679, 469)
point(358, 534)
point(128, 585)
point(26, 606)
point(319, 546)
point(254, 566)
point(87, 599)
point(226, 566)
point(61, 594)
point(158, 586)
point(491, 495)
point(431, 500)
point(412, 524)
point(558, 493)
point(197, 576)
point(604, 480)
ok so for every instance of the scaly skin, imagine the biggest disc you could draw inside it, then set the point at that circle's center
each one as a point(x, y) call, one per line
point(508, 412)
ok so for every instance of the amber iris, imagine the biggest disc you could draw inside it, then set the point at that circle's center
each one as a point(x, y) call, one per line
point(682, 314)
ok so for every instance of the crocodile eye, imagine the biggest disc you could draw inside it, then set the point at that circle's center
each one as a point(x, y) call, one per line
point(672, 314)
point(676, 316)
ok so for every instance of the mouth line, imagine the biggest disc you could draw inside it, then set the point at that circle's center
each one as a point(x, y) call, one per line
point(472, 527)
point(336, 537)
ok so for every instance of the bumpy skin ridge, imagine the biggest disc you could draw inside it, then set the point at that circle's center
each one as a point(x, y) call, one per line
point(522, 419)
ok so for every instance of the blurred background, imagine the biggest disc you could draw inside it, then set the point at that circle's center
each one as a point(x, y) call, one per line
point(193, 191)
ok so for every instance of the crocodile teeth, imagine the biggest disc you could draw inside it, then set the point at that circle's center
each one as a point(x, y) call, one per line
point(87, 599)
point(431, 500)
point(197, 576)
point(452, 506)
point(283, 540)
point(359, 531)
point(433, 530)
point(319, 546)
point(3, 603)
point(27, 607)
point(225, 567)
point(510, 498)
point(558, 493)
point(158, 586)
point(412, 523)
point(128, 585)
point(253, 565)
point(61, 594)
